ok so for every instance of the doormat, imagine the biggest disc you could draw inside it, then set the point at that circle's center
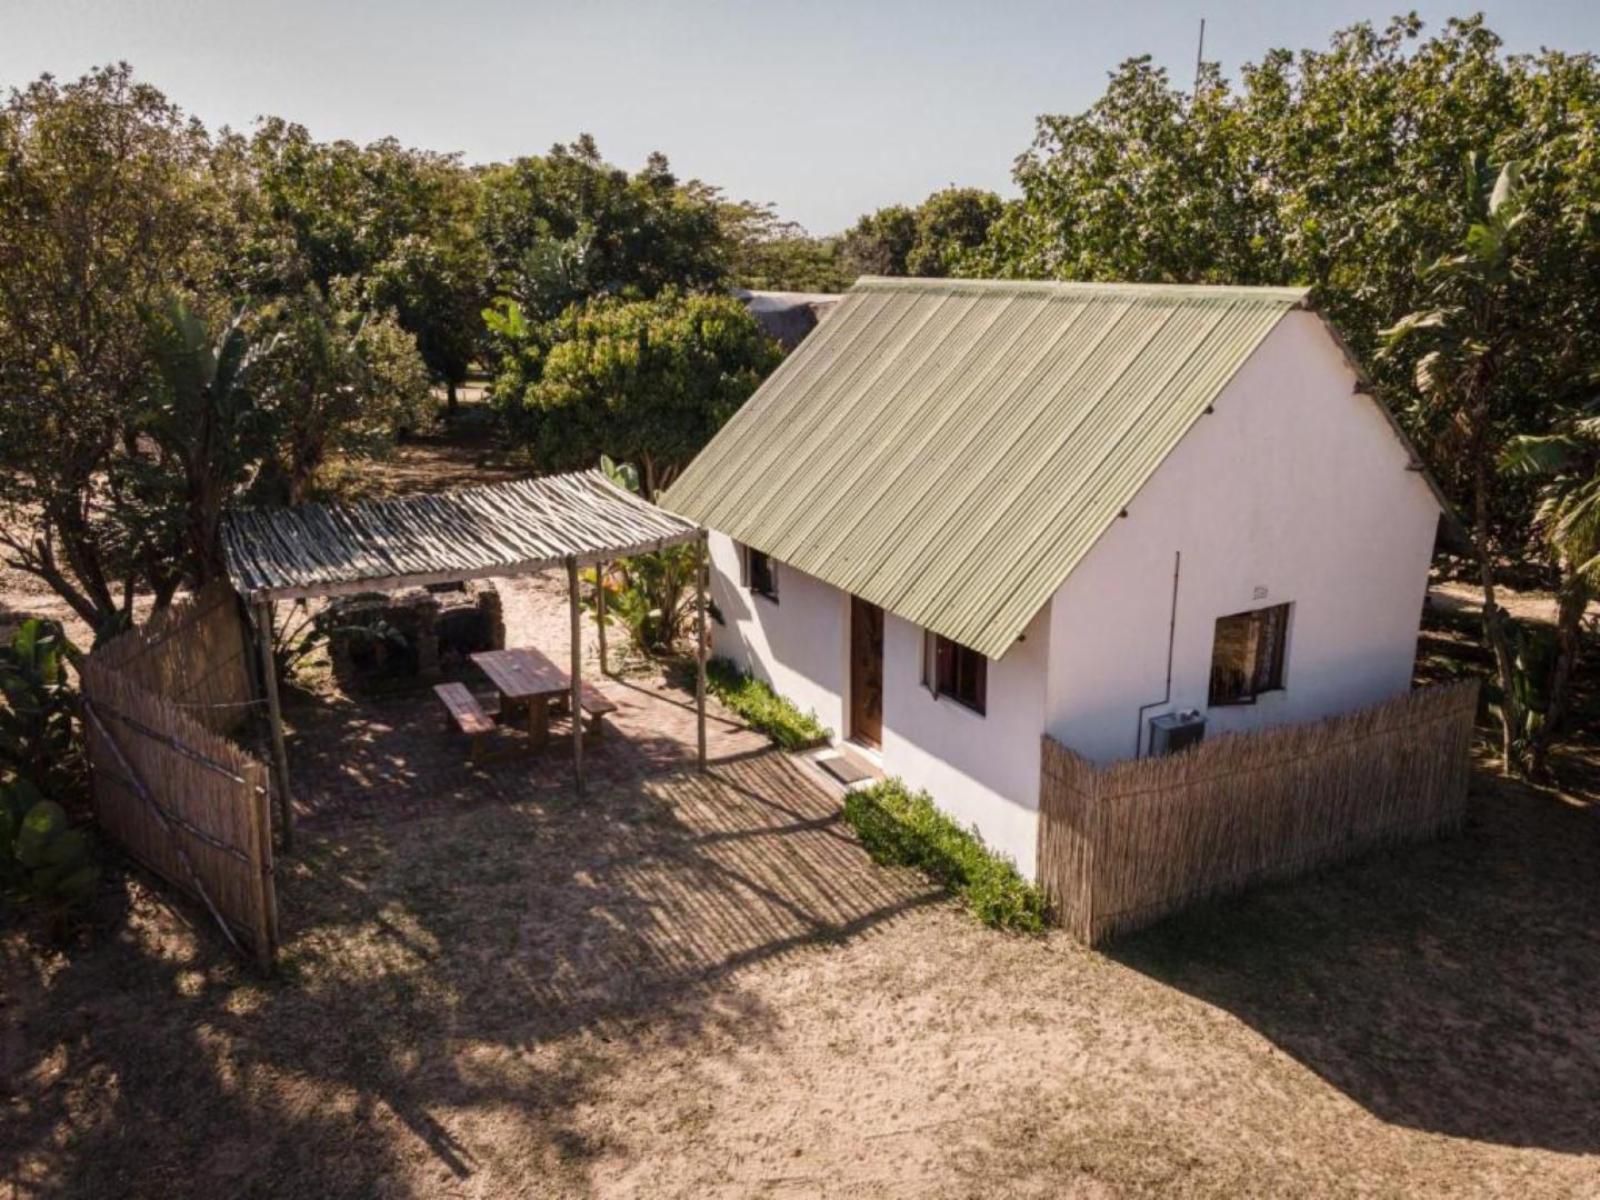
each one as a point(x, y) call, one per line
point(845, 767)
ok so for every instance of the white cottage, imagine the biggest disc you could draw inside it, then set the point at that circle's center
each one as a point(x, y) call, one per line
point(964, 514)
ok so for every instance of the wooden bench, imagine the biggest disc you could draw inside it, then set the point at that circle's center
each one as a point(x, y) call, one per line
point(465, 713)
point(596, 704)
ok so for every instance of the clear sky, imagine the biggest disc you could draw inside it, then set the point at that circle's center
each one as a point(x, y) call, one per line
point(826, 108)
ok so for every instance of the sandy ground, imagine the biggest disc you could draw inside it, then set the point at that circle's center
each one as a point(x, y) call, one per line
point(699, 986)
point(1456, 596)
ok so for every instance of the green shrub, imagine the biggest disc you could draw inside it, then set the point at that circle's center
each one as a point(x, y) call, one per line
point(763, 708)
point(904, 828)
point(38, 742)
point(42, 858)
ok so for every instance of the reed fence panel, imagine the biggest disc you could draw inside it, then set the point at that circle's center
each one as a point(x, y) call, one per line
point(196, 654)
point(178, 795)
point(1122, 845)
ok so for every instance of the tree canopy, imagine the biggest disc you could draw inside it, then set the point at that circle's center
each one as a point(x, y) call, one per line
point(1442, 198)
point(642, 381)
point(939, 237)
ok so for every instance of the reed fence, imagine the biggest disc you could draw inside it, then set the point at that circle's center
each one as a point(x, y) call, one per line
point(177, 794)
point(1123, 845)
point(196, 654)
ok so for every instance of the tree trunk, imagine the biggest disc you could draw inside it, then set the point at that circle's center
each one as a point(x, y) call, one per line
point(1571, 605)
point(450, 396)
point(1494, 627)
point(648, 477)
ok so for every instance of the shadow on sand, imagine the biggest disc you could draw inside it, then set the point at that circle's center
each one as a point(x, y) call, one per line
point(1448, 988)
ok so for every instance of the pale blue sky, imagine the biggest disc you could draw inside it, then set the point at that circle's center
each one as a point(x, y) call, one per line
point(825, 108)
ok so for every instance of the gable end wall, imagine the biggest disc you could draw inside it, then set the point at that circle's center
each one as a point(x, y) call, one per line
point(1293, 490)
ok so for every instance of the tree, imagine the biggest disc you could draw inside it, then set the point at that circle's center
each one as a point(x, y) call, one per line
point(397, 224)
point(944, 235)
point(1468, 379)
point(1148, 185)
point(335, 381)
point(880, 242)
point(205, 433)
point(644, 381)
point(1568, 524)
point(950, 226)
point(566, 226)
point(105, 204)
point(771, 254)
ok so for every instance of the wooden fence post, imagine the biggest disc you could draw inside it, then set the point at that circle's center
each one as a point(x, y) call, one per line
point(700, 645)
point(600, 612)
point(280, 757)
point(577, 672)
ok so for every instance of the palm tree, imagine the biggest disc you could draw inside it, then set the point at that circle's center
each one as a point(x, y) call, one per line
point(1568, 521)
point(1472, 327)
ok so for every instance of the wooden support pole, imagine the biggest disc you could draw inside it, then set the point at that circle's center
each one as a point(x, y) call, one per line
point(577, 672)
point(280, 757)
point(600, 612)
point(700, 645)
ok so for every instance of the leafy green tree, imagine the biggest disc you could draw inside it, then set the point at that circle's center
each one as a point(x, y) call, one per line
point(944, 235)
point(566, 226)
point(1468, 378)
point(204, 433)
point(106, 202)
point(396, 223)
point(335, 381)
point(1567, 461)
point(880, 242)
point(1339, 168)
point(771, 254)
point(951, 226)
point(643, 381)
point(1147, 185)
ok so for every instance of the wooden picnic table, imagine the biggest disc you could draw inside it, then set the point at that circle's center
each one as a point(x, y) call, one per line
point(527, 679)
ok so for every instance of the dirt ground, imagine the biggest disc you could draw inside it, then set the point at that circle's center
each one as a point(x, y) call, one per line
point(685, 985)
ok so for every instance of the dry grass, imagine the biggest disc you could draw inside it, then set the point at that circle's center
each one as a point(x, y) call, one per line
point(688, 988)
point(703, 988)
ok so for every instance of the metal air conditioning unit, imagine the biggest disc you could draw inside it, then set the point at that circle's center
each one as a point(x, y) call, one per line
point(1171, 732)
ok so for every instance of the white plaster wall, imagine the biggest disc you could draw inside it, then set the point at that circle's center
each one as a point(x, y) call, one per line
point(799, 646)
point(981, 770)
point(1295, 486)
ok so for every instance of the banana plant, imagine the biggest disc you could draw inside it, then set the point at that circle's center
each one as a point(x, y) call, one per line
point(42, 857)
point(1468, 332)
point(1567, 462)
point(37, 741)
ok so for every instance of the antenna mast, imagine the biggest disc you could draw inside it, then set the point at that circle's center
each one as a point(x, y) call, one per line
point(1199, 55)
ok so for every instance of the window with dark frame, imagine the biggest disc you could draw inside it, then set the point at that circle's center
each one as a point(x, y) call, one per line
point(1247, 654)
point(760, 574)
point(953, 670)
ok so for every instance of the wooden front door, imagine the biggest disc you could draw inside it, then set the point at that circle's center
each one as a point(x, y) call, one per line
point(866, 671)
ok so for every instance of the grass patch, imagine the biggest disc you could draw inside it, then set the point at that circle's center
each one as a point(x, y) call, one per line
point(903, 827)
point(763, 708)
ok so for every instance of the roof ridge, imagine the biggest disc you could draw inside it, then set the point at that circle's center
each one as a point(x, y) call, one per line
point(1289, 297)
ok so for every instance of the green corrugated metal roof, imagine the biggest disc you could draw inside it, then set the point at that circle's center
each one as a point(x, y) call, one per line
point(950, 450)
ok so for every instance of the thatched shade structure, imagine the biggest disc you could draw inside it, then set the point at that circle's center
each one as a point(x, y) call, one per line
point(501, 529)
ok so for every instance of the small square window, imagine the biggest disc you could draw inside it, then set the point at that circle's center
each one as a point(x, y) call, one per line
point(1247, 654)
point(760, 574)
point(953, 670)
